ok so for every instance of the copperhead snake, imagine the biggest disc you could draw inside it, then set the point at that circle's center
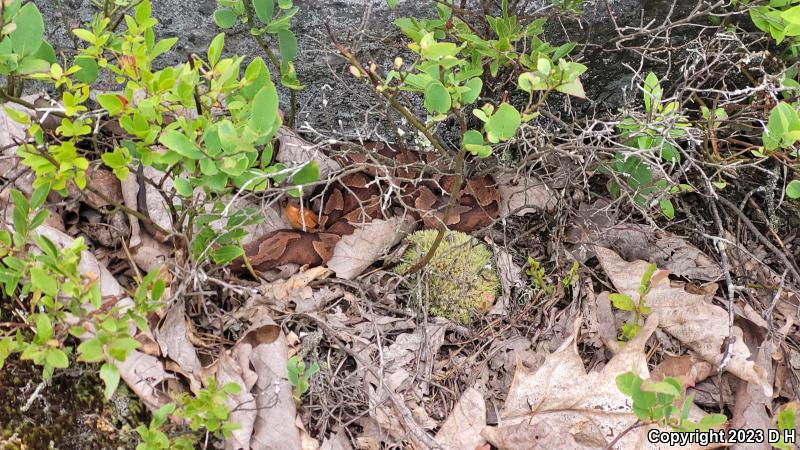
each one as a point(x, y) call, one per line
point(355, 198)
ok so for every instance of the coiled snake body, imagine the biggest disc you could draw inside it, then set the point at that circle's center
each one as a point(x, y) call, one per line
point(355, 198)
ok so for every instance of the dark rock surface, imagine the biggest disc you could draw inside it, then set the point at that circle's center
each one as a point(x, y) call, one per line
point(332, 99)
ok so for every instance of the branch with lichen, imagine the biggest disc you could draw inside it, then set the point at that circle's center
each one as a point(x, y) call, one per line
point(375, 81)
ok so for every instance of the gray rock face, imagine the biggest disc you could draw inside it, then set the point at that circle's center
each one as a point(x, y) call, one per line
point(333, 101)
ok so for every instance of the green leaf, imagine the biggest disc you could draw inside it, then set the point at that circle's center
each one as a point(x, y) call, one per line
point(225, 17)
point(264, 10)
point(91, 350)
point(234, 165)
point(232, 388)
point(667, 208)
point(121, 347)
point(787, 418)
point(85, 35)
point(162, 46)
point(208, 167)
point(20, 202)
point(792, 15)
point(563, 50)
point(18, 116)
point(27, 38)
point(143, 12)
point(473, 137)
point(30, 65)
point(46, 245)
point(283, 22)
point(628, 383)
point(503, 124)
point(711, 421)
point(437, 99)
point(652, 91)
point(183, 187)
point(57, 358)
point(39, 218)
point(782, 121)
point(475, 86)
point(111, 103)
point(543, 66)
point(43, 281)
point(110, 376)
point(46, 52)
point(435, 51)
point(288, 45)
point(118, 161)
point(622, 301)
point(473, 142)
point(44, 329)
point(215, 49)
point(660, 387)
point(574, 88)
point(7, 346)
point(308, 174)
point(392, 4)
point(180, 144)
point(264, 113)
point(224, 255)
point(39, 196)
point(256, 77)
point(793, 189)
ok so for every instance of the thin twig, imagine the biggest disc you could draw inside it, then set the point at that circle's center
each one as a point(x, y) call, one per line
point(723, 256)
point(761, 238)
point(405, 415)
point(631, 427)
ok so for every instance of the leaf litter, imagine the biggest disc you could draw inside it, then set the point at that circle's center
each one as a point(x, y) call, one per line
point(522, 378)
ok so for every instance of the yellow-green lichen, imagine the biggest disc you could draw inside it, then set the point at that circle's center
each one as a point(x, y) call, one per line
point(459, 281)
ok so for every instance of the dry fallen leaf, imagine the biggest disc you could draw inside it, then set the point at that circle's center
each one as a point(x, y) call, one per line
point(12, 134)
point(606, 327)
point(525, 436)
point(523, 196)
point(149, 254)
point(357, 251)
point(414, 353)
point(242, 404)
point(143, 373)
point(635, 241)
point(257, 362)
point(280, 292)
point(337, 441)
point(687, 368)
point(703, 327)
point(462, 429)
point(275, 423)
point(103, 181)
point(157, 207)
point(566, 400)
point(510, 276)
point(294, 149)
point(171, 338)
point(406, 364)
point(751, 407)
point(130, 191)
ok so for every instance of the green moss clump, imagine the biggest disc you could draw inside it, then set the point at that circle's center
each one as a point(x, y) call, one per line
point(459, 281)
